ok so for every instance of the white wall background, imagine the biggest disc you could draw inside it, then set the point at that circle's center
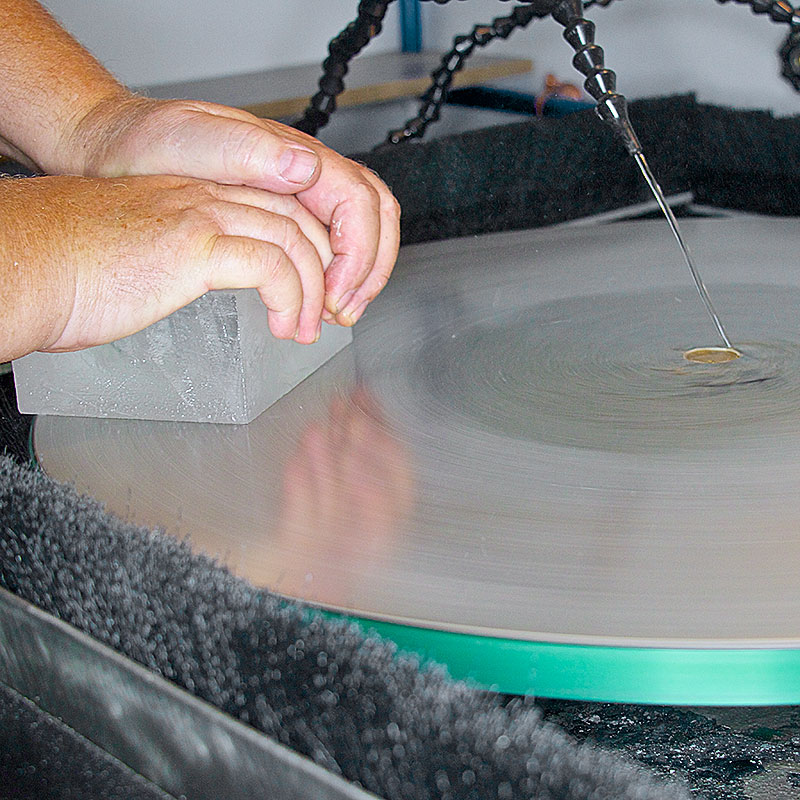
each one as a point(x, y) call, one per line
point(723, 52)
point(146, 42)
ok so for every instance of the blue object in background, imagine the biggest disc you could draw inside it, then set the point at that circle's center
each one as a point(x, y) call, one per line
point(410, 26)
point(482, 97)
point(514, 102)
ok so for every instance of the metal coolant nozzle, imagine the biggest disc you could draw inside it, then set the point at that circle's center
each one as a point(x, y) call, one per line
point(600, 83)
point(613, 109)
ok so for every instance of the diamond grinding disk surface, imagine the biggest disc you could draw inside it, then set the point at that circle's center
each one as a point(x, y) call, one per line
point(515, 469)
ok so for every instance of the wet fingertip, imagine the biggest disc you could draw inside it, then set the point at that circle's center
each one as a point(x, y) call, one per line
point(306, 337)
point(307, 327)
point(354, 312)
point(283, 326)
point(310, 336)
point(344, 320)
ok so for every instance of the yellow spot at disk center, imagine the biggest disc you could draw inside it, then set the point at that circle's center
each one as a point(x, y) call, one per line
point(711, 355)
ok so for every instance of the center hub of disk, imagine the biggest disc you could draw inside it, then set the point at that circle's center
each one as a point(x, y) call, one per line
point(711, 355)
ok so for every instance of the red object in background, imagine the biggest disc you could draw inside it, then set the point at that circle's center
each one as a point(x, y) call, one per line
point(553, 87)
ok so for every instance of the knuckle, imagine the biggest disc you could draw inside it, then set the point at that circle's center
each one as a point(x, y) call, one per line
point(212, 257)
point(364, 192)
point(374, 180)
point(245, 148)
point(187, 194)
point(291, 237)
point(199, 192)
point(382, 278)
point(210, 213)
point(200, 222)
point(170, 117)
point(277, 266)
point(392, 205)
point(208, 190)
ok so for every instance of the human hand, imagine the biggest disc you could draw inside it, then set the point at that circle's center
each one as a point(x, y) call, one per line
point(349, 488)
point(140, 136)
point(86, 261)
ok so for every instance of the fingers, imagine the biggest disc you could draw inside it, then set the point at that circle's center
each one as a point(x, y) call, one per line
point(360, 212)
point(303, 241)
point(232, 147)
point(284, 205)
point(364, 222)
point(359, 253)
point(236, 262)
point(292, 294)
point(116, 255)
point(353, 302)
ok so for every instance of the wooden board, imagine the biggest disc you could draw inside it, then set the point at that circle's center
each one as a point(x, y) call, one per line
point(281, 93)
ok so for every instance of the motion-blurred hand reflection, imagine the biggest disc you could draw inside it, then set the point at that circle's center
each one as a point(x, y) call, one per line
point(347, 491)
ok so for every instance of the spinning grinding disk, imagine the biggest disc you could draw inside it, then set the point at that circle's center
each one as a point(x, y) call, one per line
point(516, 470)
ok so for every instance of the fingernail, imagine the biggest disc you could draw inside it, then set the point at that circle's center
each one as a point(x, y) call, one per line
point(319, 331)
point(298, 165)
point(354, 314)
point(341, 303)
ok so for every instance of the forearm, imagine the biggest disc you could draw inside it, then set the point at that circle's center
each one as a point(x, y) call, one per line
point(63, 113)
point(49, 84)
point(32, 298)
point(23, 328)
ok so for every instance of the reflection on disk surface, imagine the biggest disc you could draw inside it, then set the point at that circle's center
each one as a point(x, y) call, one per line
point(514, 446)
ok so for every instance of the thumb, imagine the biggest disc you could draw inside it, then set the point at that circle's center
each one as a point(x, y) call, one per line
point(225, 149)
point(216, 143)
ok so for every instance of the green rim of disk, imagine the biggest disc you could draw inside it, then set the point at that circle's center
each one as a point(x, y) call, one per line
point(648, 675)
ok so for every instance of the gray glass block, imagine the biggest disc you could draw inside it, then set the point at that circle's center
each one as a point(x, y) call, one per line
point(212, 361)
